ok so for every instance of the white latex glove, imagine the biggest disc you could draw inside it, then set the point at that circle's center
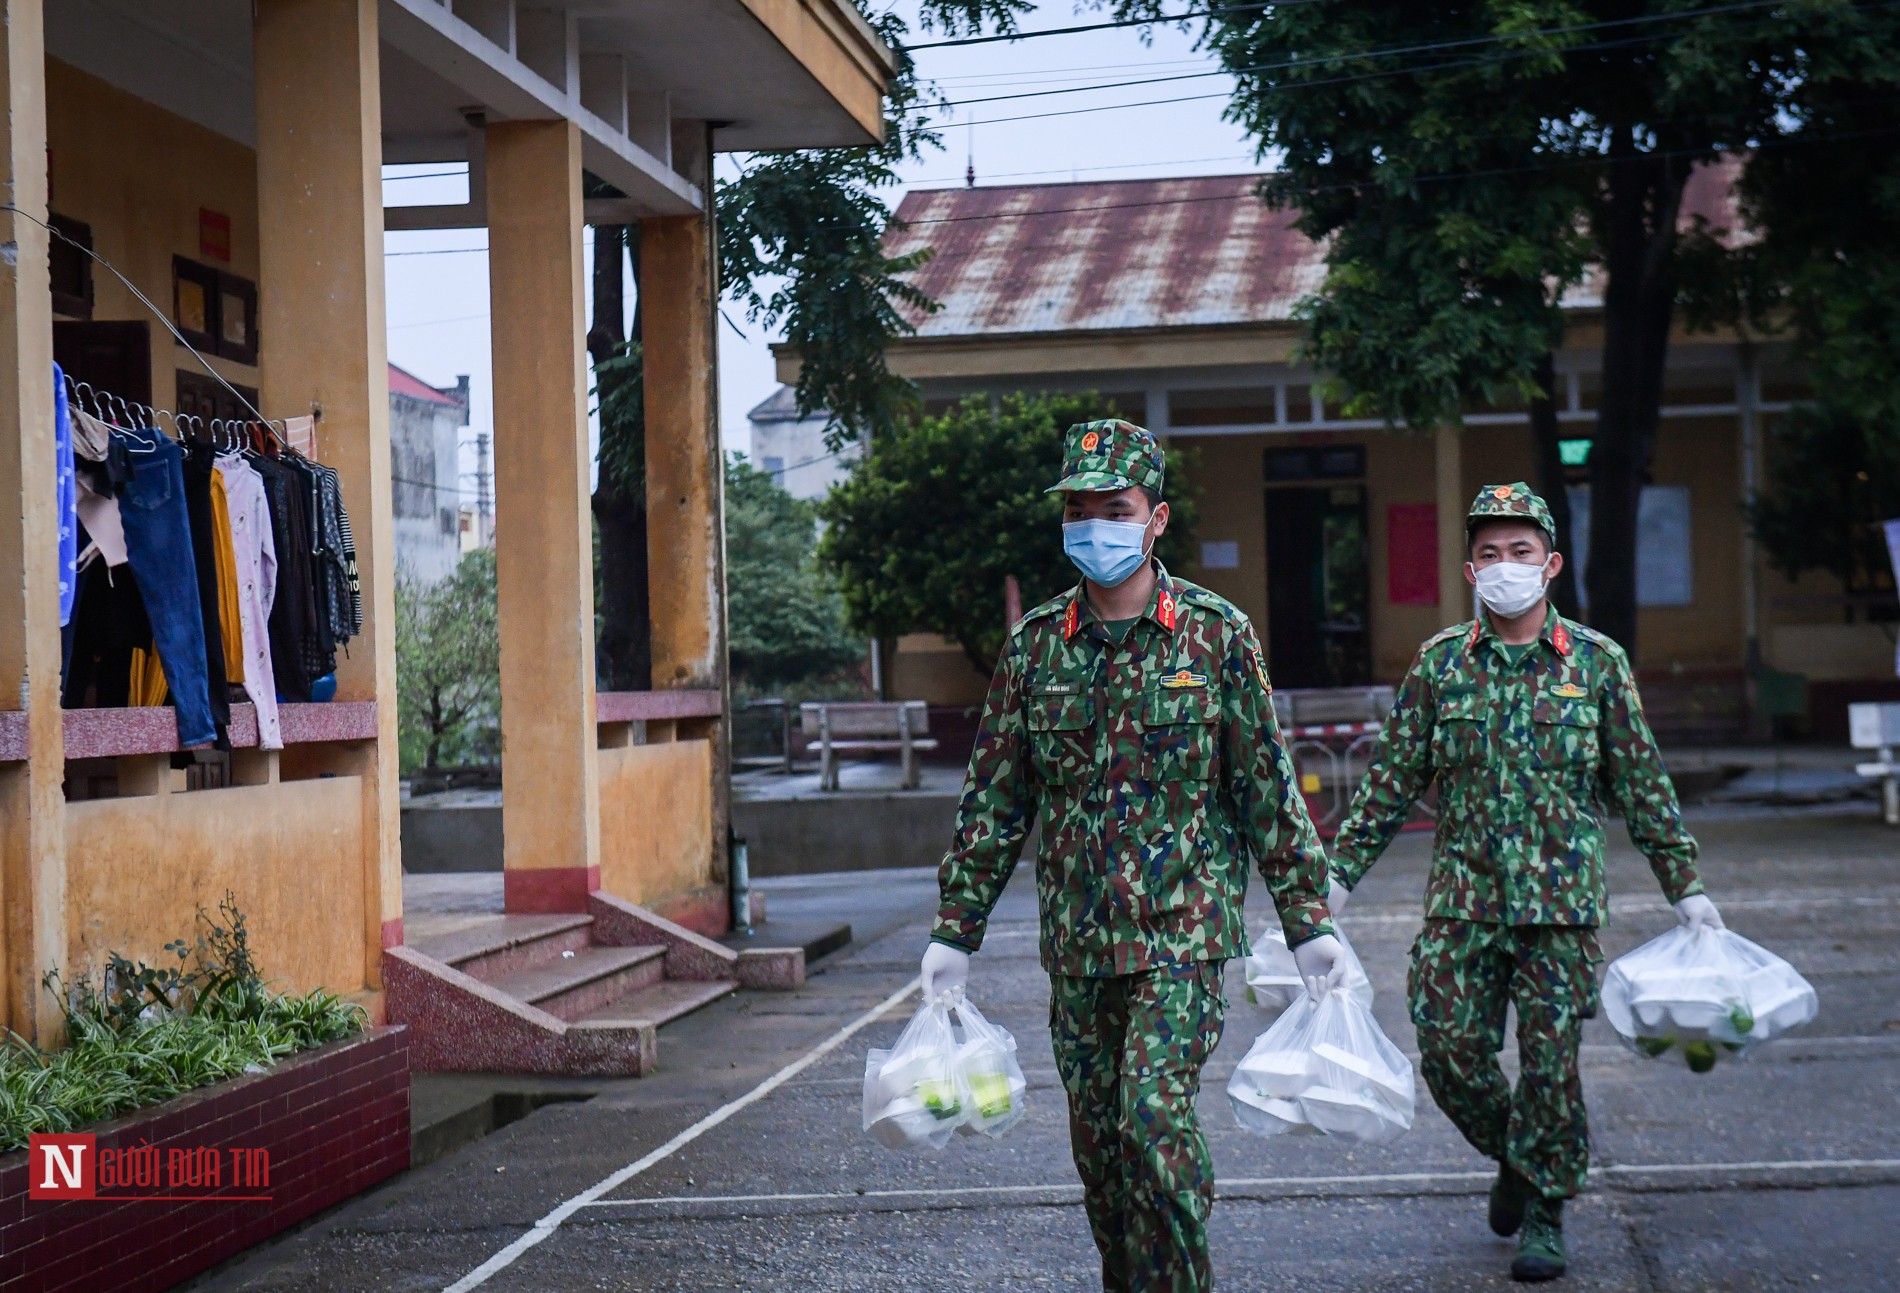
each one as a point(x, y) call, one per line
point(1322, 964)
point(1697, 912)
point(1337, 895)
point(946, 969)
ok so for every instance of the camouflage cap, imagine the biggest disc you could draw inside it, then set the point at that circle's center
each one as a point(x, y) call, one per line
point(1110, 454)
point(1513, 502)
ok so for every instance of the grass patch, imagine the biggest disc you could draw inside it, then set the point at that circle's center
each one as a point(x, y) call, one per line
point(144, 1034)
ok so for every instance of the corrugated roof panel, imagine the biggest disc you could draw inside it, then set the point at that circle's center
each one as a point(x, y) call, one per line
point(1153, 253)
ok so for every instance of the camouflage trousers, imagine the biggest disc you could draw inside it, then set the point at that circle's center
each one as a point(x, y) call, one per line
point(1130, 1050)
point(1463, 975)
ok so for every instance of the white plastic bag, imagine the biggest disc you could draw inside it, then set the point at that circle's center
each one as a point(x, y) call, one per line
point(1324, 1068)
point(991, 1079)
point(949, 1069)
point(1711, 991)
point(912, 1094)
point(1273, 980)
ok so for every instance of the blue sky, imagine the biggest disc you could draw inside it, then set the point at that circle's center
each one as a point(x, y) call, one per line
point(438, 295)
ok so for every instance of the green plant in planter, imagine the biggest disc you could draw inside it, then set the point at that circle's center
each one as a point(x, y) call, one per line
point(144, 1033)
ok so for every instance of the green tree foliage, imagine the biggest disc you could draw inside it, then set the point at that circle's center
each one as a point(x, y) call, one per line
point(1825, 272)
point(1833, 479)
point(925, 532)
point(1465, 162)
point(785, 619)
point(801, 241)
point(448, 667)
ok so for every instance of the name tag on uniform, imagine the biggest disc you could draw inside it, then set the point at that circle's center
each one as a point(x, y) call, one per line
point(1569, 691)
point(1183, 678)
point(1057, 689)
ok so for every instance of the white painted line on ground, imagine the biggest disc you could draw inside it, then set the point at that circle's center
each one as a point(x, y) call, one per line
point(1656, 906)
point(546, 1226)
point(1263, 1182)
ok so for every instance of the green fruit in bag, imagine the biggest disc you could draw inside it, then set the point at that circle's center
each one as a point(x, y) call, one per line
point(991, 1091)
point(1654, 1046)
point(940, 1097)
point(1741, 1020)
point(1701, 1056)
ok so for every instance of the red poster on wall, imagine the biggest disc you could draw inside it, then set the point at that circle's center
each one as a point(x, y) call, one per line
point(1411, 554)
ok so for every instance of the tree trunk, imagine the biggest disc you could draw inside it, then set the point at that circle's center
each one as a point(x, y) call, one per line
point(1644, 194)
point(1548, 457)
point(623, 637)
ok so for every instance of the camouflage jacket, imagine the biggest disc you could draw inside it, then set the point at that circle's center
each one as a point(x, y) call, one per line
point(1157, 768)
point(1527, 757)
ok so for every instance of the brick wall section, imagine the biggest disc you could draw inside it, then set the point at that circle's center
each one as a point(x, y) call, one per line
point(335, 1121)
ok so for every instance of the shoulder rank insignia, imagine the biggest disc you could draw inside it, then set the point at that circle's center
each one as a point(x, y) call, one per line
point(1071, 619)
point(1182, 678)
point(1560, 638)
point(1569, 691)
point(1164, 610)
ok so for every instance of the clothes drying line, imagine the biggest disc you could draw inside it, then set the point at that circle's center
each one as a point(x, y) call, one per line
point(277, 428)
point(223, 434)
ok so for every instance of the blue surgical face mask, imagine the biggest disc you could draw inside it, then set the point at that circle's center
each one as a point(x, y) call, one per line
point(1107, 552)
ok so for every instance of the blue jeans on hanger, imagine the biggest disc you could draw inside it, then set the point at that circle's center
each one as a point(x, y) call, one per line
point(158, 547)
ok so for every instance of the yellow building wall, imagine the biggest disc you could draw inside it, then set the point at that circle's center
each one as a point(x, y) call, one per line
point(656, 820)
point(934, 669)
point(139, 175)
point(1226, 486)
point(1699, 453)
point(138, 868)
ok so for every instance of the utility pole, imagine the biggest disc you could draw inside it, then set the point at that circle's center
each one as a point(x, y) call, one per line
point(484, 498)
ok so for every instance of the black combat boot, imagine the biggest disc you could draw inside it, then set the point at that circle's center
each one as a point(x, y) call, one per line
point(1509, 1193)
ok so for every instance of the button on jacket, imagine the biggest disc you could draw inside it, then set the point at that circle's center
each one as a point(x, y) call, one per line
point(1158, 770)
point(1528, 758)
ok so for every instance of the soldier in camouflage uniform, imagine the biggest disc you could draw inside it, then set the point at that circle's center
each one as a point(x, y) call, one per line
point(1133, 714)
point(1532, 727)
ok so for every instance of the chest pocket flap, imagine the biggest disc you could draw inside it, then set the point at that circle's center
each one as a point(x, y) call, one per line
point(1166, 706)
point(1460, 706)
point(1564, 730)
point(1564, 710)
point(1061, 738)
point(1180, 736)
point(1458, 736)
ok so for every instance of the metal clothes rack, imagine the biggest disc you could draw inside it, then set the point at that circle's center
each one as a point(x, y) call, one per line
point(223, 434)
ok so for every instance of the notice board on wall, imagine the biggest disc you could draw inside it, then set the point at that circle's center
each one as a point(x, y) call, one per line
point(1411, 554)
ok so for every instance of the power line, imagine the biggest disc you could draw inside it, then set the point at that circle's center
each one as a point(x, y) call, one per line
point(1066, 170)
point(1491, 172)
point(1160, 21)
point(1391, 52)
point(428, 175)
point(435, 251)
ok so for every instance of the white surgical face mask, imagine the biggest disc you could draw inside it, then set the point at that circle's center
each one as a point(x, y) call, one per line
point(1509, 588)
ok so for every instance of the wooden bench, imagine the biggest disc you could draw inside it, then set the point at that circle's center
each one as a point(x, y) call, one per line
point(866, 727)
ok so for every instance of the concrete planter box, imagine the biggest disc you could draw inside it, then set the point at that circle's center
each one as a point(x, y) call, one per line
point(333, 1121)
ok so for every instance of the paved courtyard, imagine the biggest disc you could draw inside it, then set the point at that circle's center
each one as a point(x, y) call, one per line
point(726, 1171)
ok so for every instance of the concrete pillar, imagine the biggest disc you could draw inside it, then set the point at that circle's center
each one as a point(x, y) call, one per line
point(544, 535)
point(32, 804)
point(1454, 594)
point(321, 317)
point(686, 558)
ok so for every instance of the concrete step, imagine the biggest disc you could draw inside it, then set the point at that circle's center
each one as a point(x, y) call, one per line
point(568, 987)
point(502, 945)
point(656, 1004)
